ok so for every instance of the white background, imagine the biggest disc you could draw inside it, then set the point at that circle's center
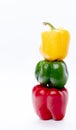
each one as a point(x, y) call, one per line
point(20, 37)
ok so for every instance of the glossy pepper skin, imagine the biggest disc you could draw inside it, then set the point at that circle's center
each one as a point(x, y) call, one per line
point(53, 73)
point(49, 103)
point(55, 43)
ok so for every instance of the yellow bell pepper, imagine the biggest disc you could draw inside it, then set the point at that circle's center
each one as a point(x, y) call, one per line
point(55, 43)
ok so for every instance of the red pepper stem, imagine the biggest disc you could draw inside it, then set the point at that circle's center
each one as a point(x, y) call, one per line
point(49, 24)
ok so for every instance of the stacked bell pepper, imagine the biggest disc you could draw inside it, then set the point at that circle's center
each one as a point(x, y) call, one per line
point(50, 96)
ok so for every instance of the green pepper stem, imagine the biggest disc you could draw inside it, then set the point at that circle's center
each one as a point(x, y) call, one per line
point(49, 24)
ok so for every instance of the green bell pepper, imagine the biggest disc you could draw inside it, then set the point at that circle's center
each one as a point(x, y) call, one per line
point(53, 73)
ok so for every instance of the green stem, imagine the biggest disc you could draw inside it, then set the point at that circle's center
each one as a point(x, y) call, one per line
point(49, 24)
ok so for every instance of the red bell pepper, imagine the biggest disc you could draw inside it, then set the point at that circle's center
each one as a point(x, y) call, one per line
point(49, 103)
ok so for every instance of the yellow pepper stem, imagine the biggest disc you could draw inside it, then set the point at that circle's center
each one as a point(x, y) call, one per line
point(49, 24)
